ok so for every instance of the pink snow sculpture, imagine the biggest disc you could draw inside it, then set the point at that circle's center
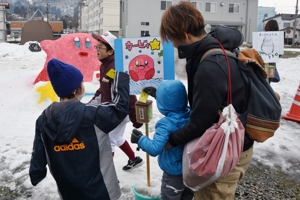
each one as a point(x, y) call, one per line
point(76, 49)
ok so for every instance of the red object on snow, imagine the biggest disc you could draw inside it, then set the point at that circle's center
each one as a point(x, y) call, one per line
point(76, 49)
point(294, 113)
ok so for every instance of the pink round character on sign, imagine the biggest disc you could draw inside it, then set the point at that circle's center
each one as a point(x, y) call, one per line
point(141, 67)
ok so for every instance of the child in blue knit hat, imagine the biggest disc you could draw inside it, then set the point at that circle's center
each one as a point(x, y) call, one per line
point(72, 137)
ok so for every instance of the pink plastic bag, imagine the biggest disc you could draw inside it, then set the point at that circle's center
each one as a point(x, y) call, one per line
point(216, 153)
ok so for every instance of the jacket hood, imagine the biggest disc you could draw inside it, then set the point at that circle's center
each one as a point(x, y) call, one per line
point(230, 38)
point(171, 97)
point(63, 120)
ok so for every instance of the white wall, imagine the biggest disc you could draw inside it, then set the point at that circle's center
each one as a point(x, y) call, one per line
point(2, 25)
point(137, 11)
point(99, 16)
point(110, 16)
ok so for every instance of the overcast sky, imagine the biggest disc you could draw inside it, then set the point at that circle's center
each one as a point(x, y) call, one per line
point(281, 6)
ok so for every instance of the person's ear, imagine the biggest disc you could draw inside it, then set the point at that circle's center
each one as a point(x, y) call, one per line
point(186, 37)
point(111, 52)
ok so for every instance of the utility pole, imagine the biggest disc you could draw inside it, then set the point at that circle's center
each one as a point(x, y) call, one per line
point(295, 24)
point(48, 13)
point(246, 27)
point(80, 4)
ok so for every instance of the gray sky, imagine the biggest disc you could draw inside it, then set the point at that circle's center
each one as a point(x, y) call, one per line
point(281, 6)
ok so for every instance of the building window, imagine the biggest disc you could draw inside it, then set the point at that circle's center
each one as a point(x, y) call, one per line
point(197, 4)
point(286, 24)
point(101, 10)
point(145, 23)
point(210, 7)
point(165, 4)
point(234, 8)
point(16, 34)
point(101, 21)
point(145, 33)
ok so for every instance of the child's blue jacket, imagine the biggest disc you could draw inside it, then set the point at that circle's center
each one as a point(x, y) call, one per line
point(171, 99)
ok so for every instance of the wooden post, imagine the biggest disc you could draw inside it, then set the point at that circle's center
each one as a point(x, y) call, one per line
point(144, 115)
point(148, 158)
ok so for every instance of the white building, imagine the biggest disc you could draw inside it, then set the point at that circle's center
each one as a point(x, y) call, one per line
point(134, 18)
point(99, 16)
point(286, 24)
point(3, 31)
point(289, 32)
point(83, 17)
point(284, 20)
point(139, 17)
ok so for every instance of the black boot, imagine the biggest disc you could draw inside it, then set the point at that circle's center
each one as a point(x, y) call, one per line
point(187, 194)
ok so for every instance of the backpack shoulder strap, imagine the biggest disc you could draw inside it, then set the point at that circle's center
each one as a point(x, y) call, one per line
point(248, 56)
point(215, 51)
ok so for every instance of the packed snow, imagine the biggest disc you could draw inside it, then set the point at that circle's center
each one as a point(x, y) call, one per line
point(19, 110)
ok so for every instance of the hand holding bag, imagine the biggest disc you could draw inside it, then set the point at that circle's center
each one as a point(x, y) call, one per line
point(217, 151)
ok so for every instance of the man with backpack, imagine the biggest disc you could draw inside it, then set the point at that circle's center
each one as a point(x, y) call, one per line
point(183, 25)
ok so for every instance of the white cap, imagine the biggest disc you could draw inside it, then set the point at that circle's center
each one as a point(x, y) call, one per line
point(107, 38)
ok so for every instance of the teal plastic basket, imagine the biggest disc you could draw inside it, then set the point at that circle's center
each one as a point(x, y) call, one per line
point(138, 196)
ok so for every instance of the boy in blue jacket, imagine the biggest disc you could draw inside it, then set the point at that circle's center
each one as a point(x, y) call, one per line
point(171, 98)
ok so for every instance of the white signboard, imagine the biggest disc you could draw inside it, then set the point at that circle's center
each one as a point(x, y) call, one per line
point(269, 45)
point(147, 60)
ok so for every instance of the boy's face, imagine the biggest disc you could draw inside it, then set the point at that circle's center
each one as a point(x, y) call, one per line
point(102, 52)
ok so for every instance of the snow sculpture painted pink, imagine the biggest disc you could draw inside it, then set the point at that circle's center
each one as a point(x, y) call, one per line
point(76, 49)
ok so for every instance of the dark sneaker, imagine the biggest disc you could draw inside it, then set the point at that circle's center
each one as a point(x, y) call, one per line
point(187, 194)
point(133, 164)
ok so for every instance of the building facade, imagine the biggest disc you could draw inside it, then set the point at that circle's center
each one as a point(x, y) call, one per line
point(16, 29)
point(286, 23)
point(99, 16)
point(284, 20)
point(135, 18)
point(140, 17)
point(3, 23)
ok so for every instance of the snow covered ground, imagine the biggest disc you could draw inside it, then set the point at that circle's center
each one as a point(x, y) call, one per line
point(19, 110)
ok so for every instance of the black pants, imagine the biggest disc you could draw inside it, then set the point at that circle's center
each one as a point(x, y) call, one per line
point(172, 188)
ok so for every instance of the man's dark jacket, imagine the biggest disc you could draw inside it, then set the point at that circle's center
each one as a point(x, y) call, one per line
point(207, 84)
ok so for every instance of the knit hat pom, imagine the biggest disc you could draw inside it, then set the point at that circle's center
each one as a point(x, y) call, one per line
point(64, 77)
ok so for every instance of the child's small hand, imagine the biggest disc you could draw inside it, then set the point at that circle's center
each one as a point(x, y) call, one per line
point(151, 91)
point(135, 136)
